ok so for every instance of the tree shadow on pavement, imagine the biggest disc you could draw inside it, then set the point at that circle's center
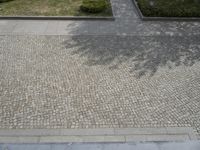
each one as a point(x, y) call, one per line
point(144, 55)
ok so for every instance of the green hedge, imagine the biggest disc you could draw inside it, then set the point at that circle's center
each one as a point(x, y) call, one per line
point(170, 8)
point(1, 1)
point(94, 6)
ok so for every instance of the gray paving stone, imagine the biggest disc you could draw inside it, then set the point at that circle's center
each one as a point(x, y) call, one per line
point(7, 26)
point(136, 138)
point(179, 130)
point(61, 139)
point(26, 147)
point(84, 82)
point(31, 27)
point(182, 146)
point(124, 13)
point(19, 140)
point(52, 27)
point(148, 146)
point(3, 22)
point(64, 139)
point(87, 132)
point(158, 137)
point(72, 27)
point(94, 135)
point(141, 131)
point(181, 137)
point(105, 146)
point(53, 132)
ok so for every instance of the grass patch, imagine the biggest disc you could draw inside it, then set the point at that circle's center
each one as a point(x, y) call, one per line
point(48, 8)
point(170, 8)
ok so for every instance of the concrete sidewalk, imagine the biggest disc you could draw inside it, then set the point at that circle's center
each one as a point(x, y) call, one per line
point(195, 145)
point(97, 135)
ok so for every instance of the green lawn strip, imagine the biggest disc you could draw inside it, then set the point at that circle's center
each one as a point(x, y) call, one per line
point(47, 8)
point(170, 8)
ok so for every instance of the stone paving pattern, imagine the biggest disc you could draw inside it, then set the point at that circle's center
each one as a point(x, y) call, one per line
point(100, 74)
point(99, 82)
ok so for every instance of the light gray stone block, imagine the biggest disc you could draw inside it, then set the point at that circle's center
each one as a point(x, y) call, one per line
point(17, 139)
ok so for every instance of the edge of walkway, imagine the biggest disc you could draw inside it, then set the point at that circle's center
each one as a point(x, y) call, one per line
point(97, 135)
point(111, 18)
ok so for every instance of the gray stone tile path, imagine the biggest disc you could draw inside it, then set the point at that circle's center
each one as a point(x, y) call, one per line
point(105, 146)
point(99, 74)
point(106, 135)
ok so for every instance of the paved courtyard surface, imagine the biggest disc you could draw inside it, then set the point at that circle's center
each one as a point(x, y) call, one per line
point(99, 81)
point(100, 74)
point(103, 146)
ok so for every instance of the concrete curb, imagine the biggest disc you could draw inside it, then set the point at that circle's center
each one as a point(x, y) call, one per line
point(56, 18)
point(96, 135)
point(162, 18)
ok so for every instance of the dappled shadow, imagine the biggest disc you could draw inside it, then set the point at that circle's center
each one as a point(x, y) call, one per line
point(143, 55)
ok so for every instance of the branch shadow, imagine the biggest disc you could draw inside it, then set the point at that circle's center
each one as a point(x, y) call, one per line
point(145, 55)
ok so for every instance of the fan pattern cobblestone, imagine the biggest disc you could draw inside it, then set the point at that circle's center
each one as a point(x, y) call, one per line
point(99, 82)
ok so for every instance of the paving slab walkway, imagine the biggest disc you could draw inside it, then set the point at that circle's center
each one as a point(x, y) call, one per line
point(103, 146)
point(100, 74)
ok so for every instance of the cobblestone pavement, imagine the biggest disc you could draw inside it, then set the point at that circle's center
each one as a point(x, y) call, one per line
point(100, 74)
point(99, 81)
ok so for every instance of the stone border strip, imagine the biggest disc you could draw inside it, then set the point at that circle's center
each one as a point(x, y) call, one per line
point(162, 18)
point(55, 18)
point(96, 135)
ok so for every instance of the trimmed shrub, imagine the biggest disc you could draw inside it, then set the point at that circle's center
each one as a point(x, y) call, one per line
point(1, 1)
point(170, 8)
point(94, 6)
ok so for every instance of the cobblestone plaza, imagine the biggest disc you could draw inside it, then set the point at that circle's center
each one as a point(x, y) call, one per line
point(94, 77)
point(99, 82)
